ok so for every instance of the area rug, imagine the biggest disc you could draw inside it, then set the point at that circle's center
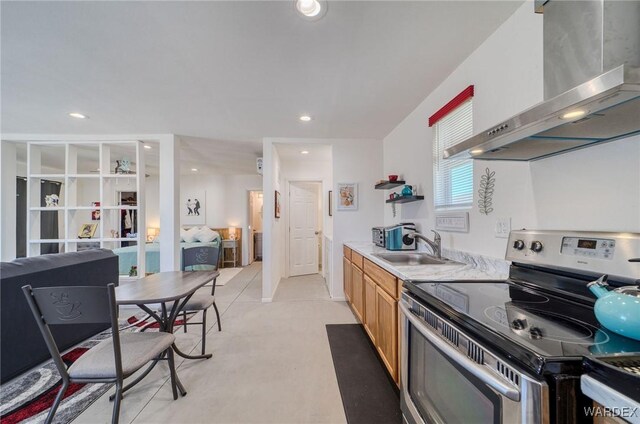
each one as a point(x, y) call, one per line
point(27, 398)
point(369, 396)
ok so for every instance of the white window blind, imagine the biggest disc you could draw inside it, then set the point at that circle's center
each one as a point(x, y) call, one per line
point(453, 178)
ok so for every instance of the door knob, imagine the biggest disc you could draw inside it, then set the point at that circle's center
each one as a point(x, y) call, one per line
point(317, 232)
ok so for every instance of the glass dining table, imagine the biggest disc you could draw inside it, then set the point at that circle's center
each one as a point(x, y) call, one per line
point(171, 291)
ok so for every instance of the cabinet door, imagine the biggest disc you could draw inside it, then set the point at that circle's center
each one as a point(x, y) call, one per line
point(357, 294)
point(346, 276)
point(387, 334)
point(370, 310)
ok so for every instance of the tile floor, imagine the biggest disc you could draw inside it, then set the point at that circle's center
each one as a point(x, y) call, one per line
point(271, 362)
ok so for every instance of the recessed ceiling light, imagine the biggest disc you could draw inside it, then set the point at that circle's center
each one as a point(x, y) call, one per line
point(309, 8)
point(574, 114)
point(194, 169)
point(304, 152)
point(78, 115)
point(476, 151)
point(146, 146)
point(305, 118)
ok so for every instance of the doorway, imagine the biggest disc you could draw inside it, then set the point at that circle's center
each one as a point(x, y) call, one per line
point(256, 202)
point(305, 227)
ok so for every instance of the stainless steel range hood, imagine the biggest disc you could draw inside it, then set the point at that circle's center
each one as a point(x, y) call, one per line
point(596, 42)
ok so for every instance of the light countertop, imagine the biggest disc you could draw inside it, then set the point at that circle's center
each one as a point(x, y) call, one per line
point(471, 266)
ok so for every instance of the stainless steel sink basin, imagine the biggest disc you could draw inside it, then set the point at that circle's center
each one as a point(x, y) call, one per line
point(414, 259)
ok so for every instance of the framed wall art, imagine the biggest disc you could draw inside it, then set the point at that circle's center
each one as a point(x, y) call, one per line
point(193, 207)
point(347, 196)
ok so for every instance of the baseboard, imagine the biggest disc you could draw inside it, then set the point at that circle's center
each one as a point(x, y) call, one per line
point(339, 299)
point(267, 299)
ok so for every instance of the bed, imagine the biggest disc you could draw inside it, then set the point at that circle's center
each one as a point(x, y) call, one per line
point(128, 256)
point(189, 237)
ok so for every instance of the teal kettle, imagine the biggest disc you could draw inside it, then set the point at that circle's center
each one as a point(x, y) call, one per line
point(407, 190)
point(617, 310)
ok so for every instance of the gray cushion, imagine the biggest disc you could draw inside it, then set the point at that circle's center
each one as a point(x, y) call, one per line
point(137, 349)
point(199, 302)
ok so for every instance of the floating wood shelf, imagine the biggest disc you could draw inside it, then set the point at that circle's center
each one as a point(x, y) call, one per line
point(405, 199)
point(386, 185)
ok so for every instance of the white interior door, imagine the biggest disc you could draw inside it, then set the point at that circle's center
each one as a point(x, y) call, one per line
point(303, 228)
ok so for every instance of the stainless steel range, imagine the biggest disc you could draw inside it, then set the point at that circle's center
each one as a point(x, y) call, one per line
point(511, 351)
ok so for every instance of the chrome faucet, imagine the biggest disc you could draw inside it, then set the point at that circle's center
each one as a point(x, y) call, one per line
point(435, 245)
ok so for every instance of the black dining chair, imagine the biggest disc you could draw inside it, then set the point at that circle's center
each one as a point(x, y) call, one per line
point(111, 360)
point(203, 258)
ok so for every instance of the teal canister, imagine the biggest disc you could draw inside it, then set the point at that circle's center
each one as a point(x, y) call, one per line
point(407, 190)
point(617, 310)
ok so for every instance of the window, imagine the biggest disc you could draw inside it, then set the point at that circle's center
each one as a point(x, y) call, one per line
point(452, 178)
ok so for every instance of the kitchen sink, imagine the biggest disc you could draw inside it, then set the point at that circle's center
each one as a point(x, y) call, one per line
point(414, 259)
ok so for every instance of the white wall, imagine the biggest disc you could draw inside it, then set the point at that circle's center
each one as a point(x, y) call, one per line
point(593, 189)
point(353, 161)
point(8, 201)
point(273, 228)
point(226, 204)
point(236, 202)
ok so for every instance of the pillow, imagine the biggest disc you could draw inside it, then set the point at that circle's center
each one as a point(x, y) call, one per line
point(183, 233)
point(206, 235)
point(190, 235)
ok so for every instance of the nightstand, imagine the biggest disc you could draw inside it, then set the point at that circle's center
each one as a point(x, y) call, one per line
point(233, 245)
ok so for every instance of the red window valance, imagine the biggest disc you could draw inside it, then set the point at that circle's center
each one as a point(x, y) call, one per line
point(464, 95)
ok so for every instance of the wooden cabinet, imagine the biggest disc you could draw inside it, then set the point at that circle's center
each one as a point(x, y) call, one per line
point(346, 273)
point(373, 294)
point(387, 335)
point(370, 310)
point(357, 295)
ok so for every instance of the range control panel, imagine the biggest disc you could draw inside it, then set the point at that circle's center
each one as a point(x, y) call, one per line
point(597, 252)
point(588, 247)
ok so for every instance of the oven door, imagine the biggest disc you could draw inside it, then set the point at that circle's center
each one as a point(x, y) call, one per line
point(441, 385)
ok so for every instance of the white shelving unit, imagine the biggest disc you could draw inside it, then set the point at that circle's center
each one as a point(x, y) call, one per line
point(81, 183)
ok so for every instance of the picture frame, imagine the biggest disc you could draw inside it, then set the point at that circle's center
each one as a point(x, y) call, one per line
point(193, 207)
point(347, 197)
point(277, 204)
point(95, 214)
point(330, 203)
point(87, 230)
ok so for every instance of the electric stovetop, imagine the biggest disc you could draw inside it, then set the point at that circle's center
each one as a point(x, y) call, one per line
point(540, 330)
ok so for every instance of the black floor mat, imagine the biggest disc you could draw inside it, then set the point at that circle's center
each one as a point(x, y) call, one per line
point(368, 394)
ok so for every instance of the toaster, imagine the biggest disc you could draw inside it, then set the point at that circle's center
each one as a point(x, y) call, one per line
point(396, 237)
point(377, 234)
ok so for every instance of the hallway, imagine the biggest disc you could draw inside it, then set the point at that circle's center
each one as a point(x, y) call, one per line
point(263, 361)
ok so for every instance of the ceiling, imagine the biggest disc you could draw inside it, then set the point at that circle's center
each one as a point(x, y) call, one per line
point(227, 74)
point(316, 152)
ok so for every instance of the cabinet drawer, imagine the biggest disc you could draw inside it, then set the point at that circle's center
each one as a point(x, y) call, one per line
point(357, 259)
point(383, 278)
point(347, 252)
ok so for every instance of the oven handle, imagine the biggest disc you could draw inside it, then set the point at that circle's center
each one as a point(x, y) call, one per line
point(478, 370)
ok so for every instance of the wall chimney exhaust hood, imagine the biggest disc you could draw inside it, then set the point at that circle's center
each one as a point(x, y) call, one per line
point(591, 83)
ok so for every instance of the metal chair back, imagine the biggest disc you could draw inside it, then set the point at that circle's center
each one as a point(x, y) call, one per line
point(199, 256)
point(74, 305)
